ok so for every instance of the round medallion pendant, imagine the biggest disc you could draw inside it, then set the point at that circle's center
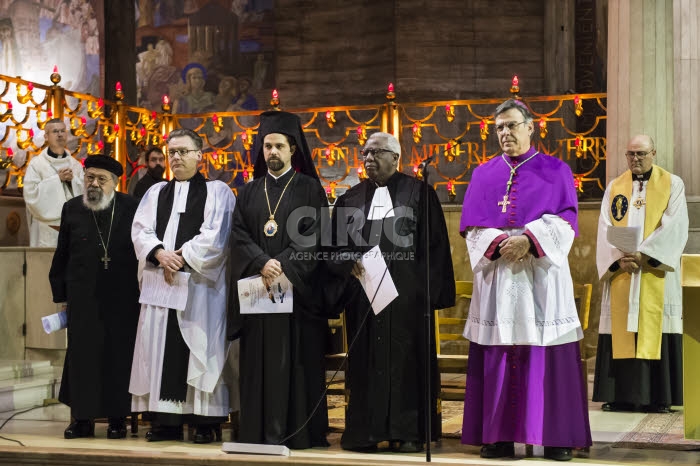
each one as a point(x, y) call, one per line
point(270, 228)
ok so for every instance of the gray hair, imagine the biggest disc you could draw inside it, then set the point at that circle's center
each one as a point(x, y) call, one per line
point(391, 142)
point(180, 132)
point(514, 104)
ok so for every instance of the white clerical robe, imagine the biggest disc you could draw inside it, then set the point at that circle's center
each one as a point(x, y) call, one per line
point(530, 302)
point(664, 244)
point(44, 195)
point(203, 321)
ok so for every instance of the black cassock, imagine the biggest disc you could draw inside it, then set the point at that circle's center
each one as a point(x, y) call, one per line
point(281, 356)
point(386, 368)
point(103, 307)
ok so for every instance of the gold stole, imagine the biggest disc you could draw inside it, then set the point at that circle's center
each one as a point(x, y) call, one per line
point(651, 291)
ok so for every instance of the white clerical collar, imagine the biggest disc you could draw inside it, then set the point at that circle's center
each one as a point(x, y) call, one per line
point(278, 177)
point(381, 207)
point(182, 188)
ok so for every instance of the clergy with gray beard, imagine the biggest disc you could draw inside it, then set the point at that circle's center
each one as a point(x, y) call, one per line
point(94, 273)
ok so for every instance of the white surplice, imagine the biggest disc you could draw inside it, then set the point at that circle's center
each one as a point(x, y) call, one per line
point(44, 195)
point(664, 244)
point(530, 302)
point(203, 322)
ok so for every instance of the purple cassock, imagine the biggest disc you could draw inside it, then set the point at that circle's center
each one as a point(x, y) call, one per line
point(521, 393)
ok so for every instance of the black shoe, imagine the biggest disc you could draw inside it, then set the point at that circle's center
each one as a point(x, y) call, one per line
point(661, 409)
point(80, 429)
point(206, 433)
point(409, 447)
point(613, 406)
point(163, 433)
point(498, 450)
point(116, 428)
point(362, 449)
point(558, 453)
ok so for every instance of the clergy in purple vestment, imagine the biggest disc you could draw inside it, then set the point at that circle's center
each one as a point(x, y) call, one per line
point(524, 379)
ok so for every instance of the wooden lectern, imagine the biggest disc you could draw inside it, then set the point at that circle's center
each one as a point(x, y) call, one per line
point(690, 279)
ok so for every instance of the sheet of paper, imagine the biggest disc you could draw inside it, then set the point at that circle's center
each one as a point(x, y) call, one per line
point(376, 280)
point(626, 239)
point(255, 298)
point(156, 292)
point(55, 322)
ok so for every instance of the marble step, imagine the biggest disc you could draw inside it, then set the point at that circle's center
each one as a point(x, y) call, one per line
point(13, 370)
point(19, 393)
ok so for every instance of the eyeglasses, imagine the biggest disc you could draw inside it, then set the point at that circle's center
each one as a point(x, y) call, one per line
point(510, 125)
point(364, 153)
point(640, 154)
point(182, 153)
point(101, 180)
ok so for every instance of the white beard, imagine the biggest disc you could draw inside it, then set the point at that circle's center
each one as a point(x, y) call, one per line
point(102, 204)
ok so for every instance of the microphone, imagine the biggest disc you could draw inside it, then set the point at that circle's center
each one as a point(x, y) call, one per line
point(426, 162)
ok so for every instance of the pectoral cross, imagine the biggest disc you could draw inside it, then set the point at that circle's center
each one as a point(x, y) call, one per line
point(504, 203)
point(106, 260)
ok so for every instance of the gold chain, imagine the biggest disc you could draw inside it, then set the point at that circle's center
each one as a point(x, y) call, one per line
point(272, 214)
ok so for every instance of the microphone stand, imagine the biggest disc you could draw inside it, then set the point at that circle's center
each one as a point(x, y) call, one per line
point(428, 314)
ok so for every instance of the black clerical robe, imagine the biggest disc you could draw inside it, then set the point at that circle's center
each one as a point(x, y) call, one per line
point(386, 366)
point(145, 183)
point(282, 356)
point(103, 306)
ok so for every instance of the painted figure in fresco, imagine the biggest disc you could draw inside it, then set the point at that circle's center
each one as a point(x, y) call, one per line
point(244, 100)
point(196, 99)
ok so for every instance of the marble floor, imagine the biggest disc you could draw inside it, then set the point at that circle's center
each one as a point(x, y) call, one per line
point(41, 430)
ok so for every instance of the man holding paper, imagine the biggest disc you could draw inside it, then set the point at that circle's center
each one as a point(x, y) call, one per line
point(642, 231)
point(180, 234)
point(274, 243)
point(380, 226)
point(94, 272)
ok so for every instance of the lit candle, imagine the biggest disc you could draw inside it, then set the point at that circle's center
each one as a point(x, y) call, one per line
point(83, 120)
point(244, 136)
point(9, 106)
point(577, 141)
point(30, 86)
point(116, 128)
point(55, 68)
point(10, 154)
point(515, 80)
point(391, 87)
point(166, 99)
point(154, 115)
point(49, 114)
point(328, 115)
point(215, 118)
point(577, 99)
point(118, 86)
point(328, 189)
point(31, 133)
point(359, 171)
point(275, 94)
point(100, 145)
point(359, 130)
point(482, 125)
point(415, 169)
point(100, 102)
point(448, 107)
point(142, 131)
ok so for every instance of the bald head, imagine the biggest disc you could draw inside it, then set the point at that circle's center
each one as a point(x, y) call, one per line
point(641, 154)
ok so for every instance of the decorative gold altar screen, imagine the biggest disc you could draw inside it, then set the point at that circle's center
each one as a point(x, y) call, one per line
point(460, 133)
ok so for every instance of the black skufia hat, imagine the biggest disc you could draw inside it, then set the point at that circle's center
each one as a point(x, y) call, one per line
point(288, 124)
point(104, 162)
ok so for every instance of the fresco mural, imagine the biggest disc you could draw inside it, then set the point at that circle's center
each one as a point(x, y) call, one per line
point(206, 55)
point(35, 35)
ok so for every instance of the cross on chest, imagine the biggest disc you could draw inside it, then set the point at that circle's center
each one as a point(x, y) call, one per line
point(106, 260)
point(504, 203)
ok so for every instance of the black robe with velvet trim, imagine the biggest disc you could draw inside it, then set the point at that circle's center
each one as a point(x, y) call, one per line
point(103, 307)
point(281, 356)
point(386, 367)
